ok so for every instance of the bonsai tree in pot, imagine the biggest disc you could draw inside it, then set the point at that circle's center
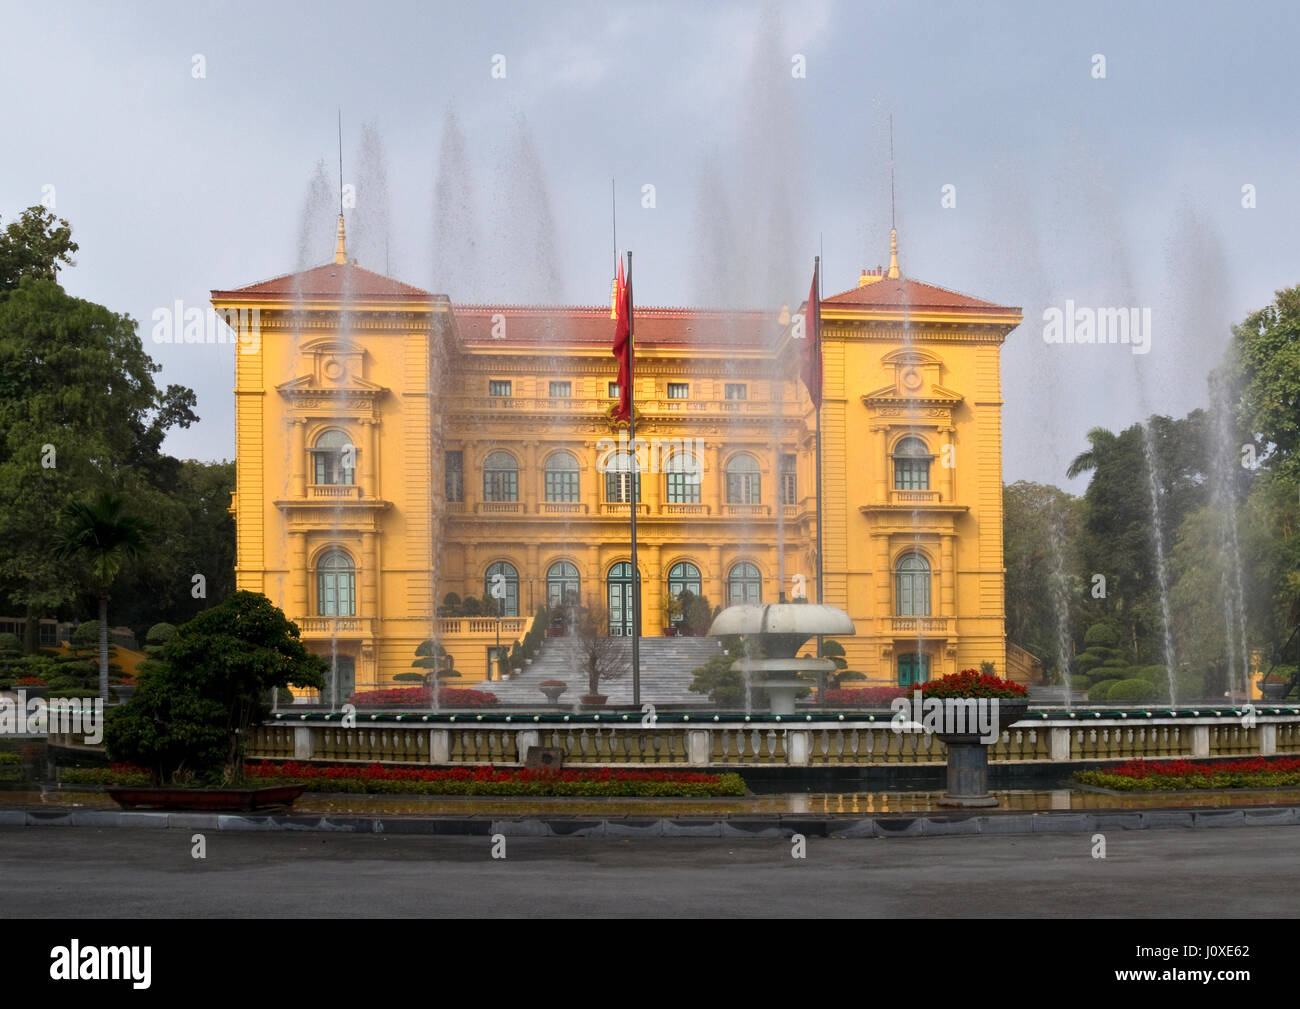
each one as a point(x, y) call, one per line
point(192, 713)
point(600, 656)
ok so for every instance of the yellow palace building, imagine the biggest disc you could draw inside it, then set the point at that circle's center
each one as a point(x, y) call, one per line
point(393, 447)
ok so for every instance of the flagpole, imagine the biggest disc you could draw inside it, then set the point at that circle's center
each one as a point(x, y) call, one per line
point(817, 274)
point(635, 495)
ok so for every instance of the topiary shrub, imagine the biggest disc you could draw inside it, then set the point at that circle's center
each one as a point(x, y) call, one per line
point(1131, 692)
point(1154, 675)
point(1097, 692)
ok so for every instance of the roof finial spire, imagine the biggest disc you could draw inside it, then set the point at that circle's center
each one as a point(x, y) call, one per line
point(340, 250)
point(894, 272)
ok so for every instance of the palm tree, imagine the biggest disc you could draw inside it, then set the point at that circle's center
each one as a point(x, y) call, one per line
point(98, 531)
point(1102, 442)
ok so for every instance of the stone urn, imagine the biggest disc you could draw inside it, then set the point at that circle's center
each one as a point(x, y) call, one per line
point(968, 757)
point(1273, 690)
point(552, 689)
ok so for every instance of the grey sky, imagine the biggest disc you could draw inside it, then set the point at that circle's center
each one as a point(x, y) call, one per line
point(1118, 192)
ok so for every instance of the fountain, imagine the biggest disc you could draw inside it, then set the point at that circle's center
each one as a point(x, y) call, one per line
point(781, 629)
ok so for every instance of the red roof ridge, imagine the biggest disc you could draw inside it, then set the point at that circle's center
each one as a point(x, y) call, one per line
point(896, 289)
point(372, 283)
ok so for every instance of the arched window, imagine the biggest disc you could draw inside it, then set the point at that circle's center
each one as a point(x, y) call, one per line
point(683, 577)
point(743, 483)
point(618, 587)
point(563, 587)
point(618, 478)
point(744, 585)
point(333, 458)
point(336, 585)
point(683, 476)
point(500, 477)
point(911, 465)
point(912, 586)
point(502, 584)
point(561, 477)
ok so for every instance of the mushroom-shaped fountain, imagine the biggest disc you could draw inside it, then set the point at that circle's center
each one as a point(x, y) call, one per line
point(782, 628)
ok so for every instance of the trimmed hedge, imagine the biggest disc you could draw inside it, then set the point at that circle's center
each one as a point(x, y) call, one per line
point(1098, 691)
point(1185, 775)
point(1131, 692)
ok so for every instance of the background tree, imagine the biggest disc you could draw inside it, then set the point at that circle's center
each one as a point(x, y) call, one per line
point(103, 535)
point(34, 246)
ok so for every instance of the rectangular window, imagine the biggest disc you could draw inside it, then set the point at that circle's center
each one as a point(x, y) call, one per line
point(679, 390)
point(561, 485)
point(911, 474)
point(736, 390)
point(613, 390)
point(789, 480)
point(498, 387)
point(618, 487)
point(500, 485)
point(453, 470)
point(683, 488)
point(561, 390)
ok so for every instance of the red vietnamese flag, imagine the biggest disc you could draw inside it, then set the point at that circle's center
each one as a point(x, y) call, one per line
point(623, 345)
point(812, 347)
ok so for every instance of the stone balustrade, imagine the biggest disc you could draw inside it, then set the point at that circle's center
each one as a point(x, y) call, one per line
point(797, 741)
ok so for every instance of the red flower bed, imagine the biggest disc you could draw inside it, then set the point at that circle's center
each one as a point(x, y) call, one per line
point(972, 683)
point(864, 697)
point(451, 697)
point(31, 681)
point(1185, 768)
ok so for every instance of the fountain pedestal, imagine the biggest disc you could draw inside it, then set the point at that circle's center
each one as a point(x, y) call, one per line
point(780, 678)
point(968, 760)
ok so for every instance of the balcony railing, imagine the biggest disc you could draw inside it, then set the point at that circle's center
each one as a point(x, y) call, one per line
point(328, 490)
point(914, 497)
point(482, 625)
point(499, 507)
point(923, 625)
point(333, 626)
point(686, 509)
point(620, 508)
point(746, 510)
point(562, 508)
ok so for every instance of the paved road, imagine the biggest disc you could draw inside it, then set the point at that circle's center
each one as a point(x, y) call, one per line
point(125, 873)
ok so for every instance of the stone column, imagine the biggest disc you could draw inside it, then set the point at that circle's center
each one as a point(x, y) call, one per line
point(880, 438)
point(529, 493)
point(370, 465)
point(298, 468)
point(951, 482)
point(369, 581)
point(652, 590)
point(298, 575)
point(717, 591)
point(947, 577)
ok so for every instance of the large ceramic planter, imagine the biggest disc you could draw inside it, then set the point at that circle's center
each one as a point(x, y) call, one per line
point(242, 799)
point(593, 700)
point(968, 759)
point(1274, 691)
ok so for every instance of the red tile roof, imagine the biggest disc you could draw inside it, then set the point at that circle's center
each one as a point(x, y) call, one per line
point(904, 292)
point(329, 281)
point(588, 324)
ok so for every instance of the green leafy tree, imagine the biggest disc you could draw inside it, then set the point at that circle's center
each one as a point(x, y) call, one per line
point(1040, 521)
point(104, 536)
point(78, 411)
point(191, 716)
point(34, 246)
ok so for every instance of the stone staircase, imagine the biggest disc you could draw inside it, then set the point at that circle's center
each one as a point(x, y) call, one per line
point(666, 668)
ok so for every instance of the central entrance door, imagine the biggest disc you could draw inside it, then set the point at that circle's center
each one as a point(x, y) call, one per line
point(913, 669)
point(619, 583)
point(341, 680)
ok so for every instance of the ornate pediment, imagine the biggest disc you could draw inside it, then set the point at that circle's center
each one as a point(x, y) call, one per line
point(335, 373)
point(915, 389)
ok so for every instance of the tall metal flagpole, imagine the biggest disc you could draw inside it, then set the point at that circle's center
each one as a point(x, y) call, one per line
point(817, 272)
point(636, 493)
